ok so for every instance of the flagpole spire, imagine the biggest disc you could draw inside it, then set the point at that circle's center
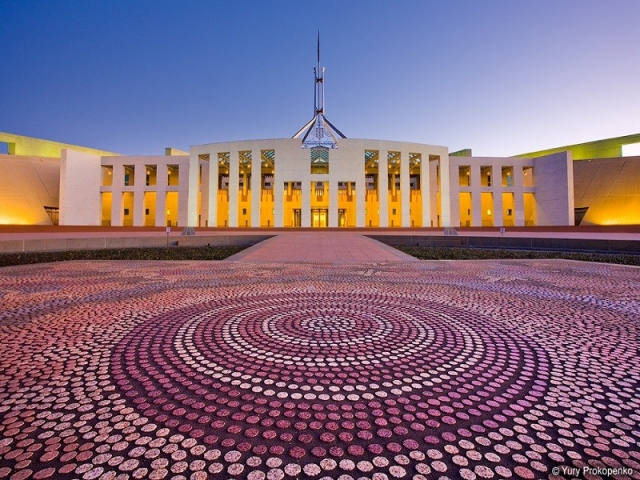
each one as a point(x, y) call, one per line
point(319, 94)
point(319, 132)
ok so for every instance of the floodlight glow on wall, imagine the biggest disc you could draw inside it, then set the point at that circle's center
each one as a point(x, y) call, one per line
point(631, 150)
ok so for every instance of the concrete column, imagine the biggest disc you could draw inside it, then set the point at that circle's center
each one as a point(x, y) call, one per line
point(161, 193)
point(425, 190)
point(139, 186)
point(212, 194)
point(361, 200)
point(161, 204)
point(117, 215)
point(116, 196)
point(518, 200)
point(383, 188)
point(278, 199)
point(138, 208)
point(306, 203)
point(405, 189)
point(256, 187)
point(445, 183)
point(518, 194)
point(333, 203)
point(188, 207)
point(476, 209)
point(476, 196)
point(498, 217)
point(234, 176)
point(204, 189)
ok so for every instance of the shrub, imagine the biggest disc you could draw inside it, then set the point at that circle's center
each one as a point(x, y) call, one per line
point(174, 253)
point(456, 253)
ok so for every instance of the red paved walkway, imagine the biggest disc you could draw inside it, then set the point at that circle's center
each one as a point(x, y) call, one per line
point(321, 246)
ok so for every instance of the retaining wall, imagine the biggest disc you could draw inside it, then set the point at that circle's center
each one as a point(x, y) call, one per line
point(514, 243)
point(97, 243)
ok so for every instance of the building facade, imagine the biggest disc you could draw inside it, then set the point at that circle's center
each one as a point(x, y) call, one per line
point(318, 178)
point(278, 183)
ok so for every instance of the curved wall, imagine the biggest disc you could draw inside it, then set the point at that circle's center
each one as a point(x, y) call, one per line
point(27, 185)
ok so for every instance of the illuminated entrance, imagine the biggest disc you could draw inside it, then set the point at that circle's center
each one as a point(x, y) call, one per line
point(297, 218)
point(319, 217)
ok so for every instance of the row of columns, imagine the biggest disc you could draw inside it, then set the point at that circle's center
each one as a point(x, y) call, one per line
point(117, 208)
point(210, 191)
point(476, 190)
point(139, 189)
point(497, 209)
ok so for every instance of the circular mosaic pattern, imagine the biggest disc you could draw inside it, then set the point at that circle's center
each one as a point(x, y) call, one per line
point(327, 372)
point(453, 370)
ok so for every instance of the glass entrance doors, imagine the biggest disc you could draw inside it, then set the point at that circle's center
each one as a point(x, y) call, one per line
point(319, 217)
point(297, 217)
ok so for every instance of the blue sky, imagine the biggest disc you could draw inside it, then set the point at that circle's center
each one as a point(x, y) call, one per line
point(500, 77)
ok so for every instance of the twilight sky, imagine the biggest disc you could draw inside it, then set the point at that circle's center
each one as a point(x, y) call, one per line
point(499, 76)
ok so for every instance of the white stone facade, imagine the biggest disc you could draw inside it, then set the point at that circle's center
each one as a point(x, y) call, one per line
point(346, 164)
point(366, 183)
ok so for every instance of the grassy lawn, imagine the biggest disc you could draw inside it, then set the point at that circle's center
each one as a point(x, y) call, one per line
point(455, 253)
point(160, 253)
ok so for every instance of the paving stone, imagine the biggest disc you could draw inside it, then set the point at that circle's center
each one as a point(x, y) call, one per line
point(475, 369)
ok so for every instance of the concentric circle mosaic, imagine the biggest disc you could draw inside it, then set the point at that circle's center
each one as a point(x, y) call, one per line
point(220, 370)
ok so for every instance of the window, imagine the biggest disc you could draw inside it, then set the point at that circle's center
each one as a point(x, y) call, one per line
point(527, 177)
point(173, 175)
point(129, 175)
point(485, 176)
point(507, 177)
point(464, 176)
point(126, 212)
point(319, 160)
point(150, 175)
point(107, 175)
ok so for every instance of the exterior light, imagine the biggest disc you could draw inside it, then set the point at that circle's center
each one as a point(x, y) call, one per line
point(489, 212)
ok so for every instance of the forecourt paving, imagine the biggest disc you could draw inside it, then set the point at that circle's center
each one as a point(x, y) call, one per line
point(321, 246)
point(347, 369)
